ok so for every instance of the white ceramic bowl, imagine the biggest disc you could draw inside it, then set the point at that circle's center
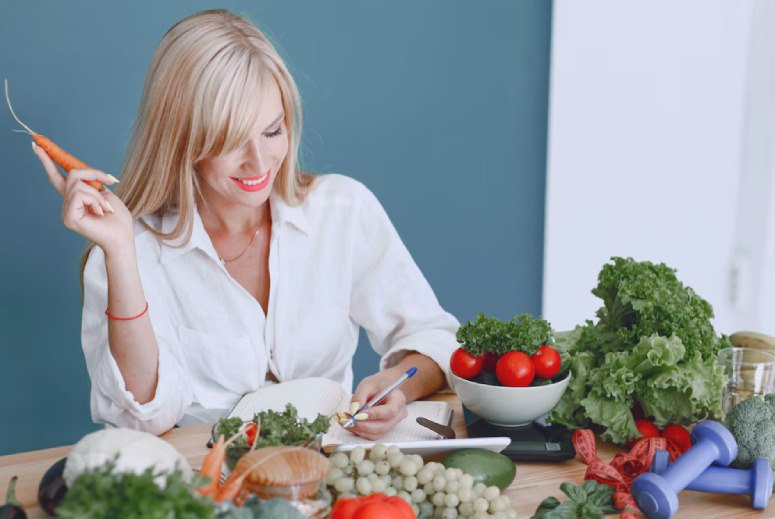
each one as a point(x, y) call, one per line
point(508, 406)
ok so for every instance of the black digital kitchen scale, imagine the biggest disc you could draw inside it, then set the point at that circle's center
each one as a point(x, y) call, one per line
point(532, 442)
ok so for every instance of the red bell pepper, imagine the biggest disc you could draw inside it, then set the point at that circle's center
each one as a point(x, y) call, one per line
point(375, 506)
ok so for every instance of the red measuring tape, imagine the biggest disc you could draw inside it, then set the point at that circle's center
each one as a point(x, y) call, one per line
point(623, 469)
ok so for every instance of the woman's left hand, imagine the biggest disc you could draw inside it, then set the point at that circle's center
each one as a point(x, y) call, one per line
point(384, 417)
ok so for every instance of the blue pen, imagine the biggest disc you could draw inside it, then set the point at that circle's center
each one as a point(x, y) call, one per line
point(381, 396)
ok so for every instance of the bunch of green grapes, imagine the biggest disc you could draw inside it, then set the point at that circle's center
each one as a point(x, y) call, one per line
point(432, 489)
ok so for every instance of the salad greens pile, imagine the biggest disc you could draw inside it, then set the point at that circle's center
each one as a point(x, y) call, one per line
point(276, 428)
point(492, 335)
point(653, 345)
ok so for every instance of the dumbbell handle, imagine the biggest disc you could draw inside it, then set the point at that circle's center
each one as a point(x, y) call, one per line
point(686, 468)
point(755, 482)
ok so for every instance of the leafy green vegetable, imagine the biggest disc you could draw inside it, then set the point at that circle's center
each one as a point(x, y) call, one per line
point(653, 344)
point(591, 500)
point(752, 423)
point(276, 428)
point(102, 493)
point(275, 508)
point(490, 334)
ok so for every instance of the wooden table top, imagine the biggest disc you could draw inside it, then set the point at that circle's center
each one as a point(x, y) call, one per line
point(534, 482)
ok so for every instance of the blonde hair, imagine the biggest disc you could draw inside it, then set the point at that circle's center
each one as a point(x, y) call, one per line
point(201, 98)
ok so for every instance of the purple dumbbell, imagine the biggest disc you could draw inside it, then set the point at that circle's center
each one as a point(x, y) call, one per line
point(657, 494)
point(755, 482)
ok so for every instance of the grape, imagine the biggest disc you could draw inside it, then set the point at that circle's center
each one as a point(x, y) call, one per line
point(429, 488)
point(426, 509)
point(410, 483)
point(439, 498)
point(452, 500)
point(363, 486)
point(415, 509)
point(382, 467)
point(344, 485)
point(511, 514)
point(479, 489)
point(395, 458)
point(419, 495)
point(449, 513)
point(357, 455)
point(393, 449)
point(491, 493)
point(500, 504)
point(439, 483)
point(465, 495)
point(372, 477)
point(365, 467)
point(405, 496)
point(386, 479)
point(466, 509)
point(408, 467)
point(398, 482)
point(466, 481)
point(424, 476)
point(480, 515)
point(348, 469)
point(378, 485)
point(481, 505)
point(390, 491)
point(452, 487)
point(378, 453)
point(453, 474)
point(339, 460)
point(335, 474)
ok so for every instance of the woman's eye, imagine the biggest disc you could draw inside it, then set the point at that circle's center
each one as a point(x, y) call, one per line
point(278, 131)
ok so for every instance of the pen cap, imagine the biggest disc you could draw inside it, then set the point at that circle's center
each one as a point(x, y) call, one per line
point(411, 371)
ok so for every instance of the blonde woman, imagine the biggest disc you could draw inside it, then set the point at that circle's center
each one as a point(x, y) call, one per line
point(219, 266)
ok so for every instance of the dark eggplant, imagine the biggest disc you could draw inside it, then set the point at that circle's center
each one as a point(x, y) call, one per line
point(52, 488)
point(12, 509)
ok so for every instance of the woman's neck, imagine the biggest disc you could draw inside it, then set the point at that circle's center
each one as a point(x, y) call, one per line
point(233, 219)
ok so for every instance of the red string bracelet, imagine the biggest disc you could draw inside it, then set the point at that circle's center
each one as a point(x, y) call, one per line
point(127, 318)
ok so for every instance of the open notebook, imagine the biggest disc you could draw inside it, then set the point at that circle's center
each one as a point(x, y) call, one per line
point(313, 396)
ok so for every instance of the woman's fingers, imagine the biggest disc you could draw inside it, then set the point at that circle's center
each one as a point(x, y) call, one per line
point(382, 418)
point(76, 207)
point(54, 176)
point(90, 174)
point(82, 187)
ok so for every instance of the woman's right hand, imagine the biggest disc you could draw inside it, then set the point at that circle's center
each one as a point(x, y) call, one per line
point(99, 216)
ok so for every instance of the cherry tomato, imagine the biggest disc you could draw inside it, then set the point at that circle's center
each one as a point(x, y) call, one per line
point(515, 369)
point(464, 364)
point(547, 362)
point(679, 436)
point(490, 361)
point(251, 430)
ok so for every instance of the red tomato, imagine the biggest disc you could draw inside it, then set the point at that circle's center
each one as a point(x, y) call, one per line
point(646, 428)
point(679, 436)
point(515, 369)
point(464, 364)
point(490, 361)
point(251, 430)
point(546, 361)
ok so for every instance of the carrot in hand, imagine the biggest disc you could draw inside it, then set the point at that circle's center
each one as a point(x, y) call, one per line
point(67, 161)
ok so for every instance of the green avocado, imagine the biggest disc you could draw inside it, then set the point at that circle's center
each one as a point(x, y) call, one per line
point(491, 468)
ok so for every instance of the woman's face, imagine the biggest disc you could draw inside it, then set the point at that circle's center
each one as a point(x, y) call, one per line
point(245, 176)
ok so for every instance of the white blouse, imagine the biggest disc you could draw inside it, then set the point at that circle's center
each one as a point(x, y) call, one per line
point(335, 263)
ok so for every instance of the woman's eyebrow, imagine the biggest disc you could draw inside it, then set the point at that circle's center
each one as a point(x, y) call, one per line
point(277, 120)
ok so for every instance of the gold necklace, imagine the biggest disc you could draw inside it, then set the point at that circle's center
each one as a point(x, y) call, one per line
point(225, 261)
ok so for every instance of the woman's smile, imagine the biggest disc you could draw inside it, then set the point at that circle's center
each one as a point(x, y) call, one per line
point(253, 184)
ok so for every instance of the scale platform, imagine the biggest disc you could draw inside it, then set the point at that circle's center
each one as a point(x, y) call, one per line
point(532, 442)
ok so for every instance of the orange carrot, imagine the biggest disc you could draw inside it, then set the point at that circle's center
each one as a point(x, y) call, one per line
point(67, 161)
point(211, 466)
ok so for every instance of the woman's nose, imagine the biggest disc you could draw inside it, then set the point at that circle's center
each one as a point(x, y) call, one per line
point(255, 160)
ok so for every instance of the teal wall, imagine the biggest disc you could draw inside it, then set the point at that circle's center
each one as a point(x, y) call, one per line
point(440, 107)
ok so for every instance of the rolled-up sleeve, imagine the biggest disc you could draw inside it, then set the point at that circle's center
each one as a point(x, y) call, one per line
point(391, 298)
point(110, 401)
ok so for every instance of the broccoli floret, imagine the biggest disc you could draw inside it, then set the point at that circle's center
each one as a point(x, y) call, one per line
point(752, 423)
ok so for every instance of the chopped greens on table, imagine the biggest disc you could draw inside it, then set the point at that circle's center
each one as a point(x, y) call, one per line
point(653, 349)
point(275, 428)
